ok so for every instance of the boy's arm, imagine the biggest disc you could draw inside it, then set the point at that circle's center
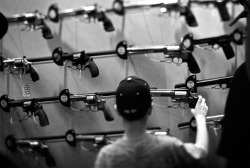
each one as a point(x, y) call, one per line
point(200, 112)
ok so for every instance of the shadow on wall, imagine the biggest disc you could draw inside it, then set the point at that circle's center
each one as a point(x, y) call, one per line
point(57, 41)
point(182, 30)
point(229, 29)
point(119, 36)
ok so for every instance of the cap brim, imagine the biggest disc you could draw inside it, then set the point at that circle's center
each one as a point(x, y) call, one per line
point(3, 25)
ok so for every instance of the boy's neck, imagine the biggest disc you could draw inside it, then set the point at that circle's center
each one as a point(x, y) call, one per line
point(135, 130)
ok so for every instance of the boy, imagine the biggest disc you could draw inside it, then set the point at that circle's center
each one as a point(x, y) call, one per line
point(137, 149)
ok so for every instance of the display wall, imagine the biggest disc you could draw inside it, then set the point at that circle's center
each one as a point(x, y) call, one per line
point(143, 27)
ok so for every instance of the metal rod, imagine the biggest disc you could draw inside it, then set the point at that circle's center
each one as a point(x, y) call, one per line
point(172, 93)
point(214, 117)
point(108, 94)
point(211, 1)
point(178, 93)
point(27, 143)
point(210, 120)
point(75, 12)
point(224, 38)
point(206, 82)
point(39, 59)
point(150, 4)
point(115, 132)
point(146, 49)
point(43, 62)
point(48, 59)
point(62, 137)
point(214, 81)
point(153, 49)
point(169, 93)
point(99, 53)
point(155, 93)
point(87, 138)
point(13, 103)
point(21, 17)
point(104, 56)
point(56, 137)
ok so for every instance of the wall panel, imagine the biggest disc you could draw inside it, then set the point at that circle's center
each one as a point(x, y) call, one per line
point(138, 28)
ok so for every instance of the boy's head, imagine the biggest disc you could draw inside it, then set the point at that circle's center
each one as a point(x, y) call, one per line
point(133, 98)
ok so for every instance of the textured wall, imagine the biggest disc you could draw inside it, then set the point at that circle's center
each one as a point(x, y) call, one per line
point(141, 28)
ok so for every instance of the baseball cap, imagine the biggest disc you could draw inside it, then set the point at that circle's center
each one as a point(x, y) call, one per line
point(133, 98)
point(4, 25)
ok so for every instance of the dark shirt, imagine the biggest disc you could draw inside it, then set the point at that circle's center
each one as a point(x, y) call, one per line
point(235, 139)
point(6, 162)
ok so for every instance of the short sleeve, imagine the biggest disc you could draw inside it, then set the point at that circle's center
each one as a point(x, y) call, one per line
point(188, 155)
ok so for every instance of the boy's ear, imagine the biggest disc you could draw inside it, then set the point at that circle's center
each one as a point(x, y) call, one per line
point(150, 109)
point(115, 107)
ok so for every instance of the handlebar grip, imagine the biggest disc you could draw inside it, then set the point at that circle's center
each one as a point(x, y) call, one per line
point(33, 73)
point(94, 71)
point(192, 64)
point(106, 111)
point(107, 24)
point(223, 11)
point(192, 102)
point(190, 18)
point(43, 119)
point(228, 50)
point(46, 31)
